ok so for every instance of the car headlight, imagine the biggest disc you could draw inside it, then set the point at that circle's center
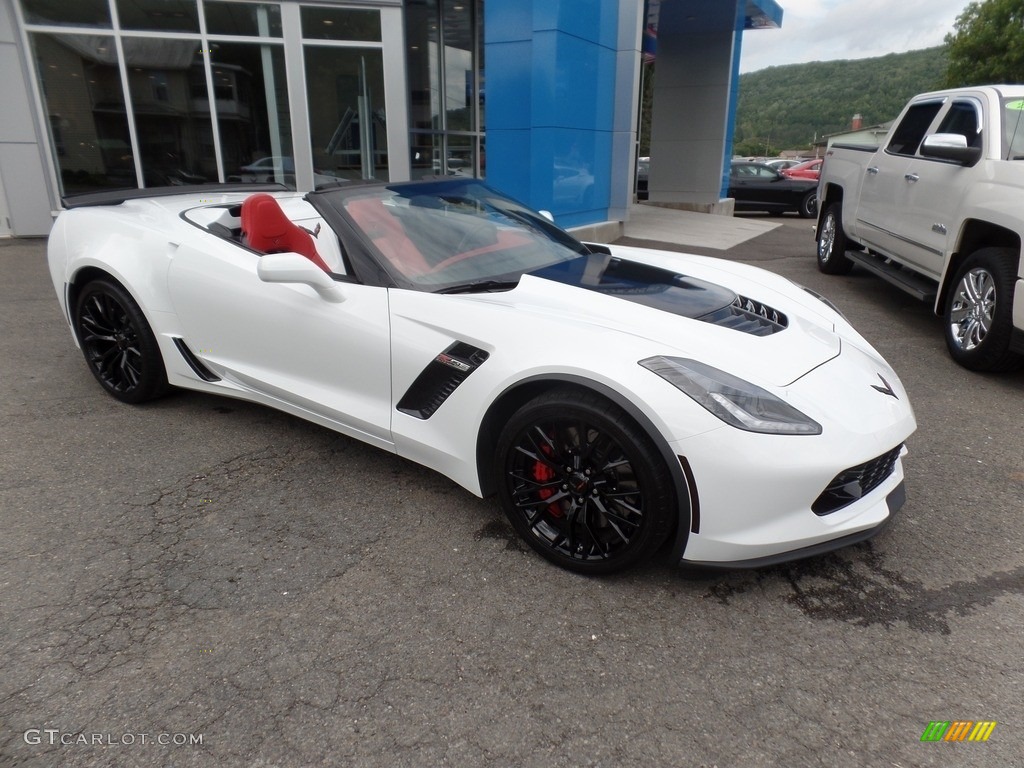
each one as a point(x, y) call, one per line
point(736, 402)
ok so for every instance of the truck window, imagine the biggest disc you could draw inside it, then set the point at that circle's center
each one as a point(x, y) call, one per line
point(962, 118)
point(910, 132)
point(1013, 127)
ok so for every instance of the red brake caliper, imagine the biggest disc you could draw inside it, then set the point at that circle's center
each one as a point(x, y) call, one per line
point(542, 473)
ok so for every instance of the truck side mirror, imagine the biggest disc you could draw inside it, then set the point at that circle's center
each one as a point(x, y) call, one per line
point(952, 147)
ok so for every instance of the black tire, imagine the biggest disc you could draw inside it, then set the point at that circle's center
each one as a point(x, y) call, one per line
point(582, 483)
point(809, 205)
point(832, 242)
point(979, 311)
point(118, 343)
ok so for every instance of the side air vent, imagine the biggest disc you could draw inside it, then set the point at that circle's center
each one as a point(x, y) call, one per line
point(194, 362)
point(855, 482)
point(748, 316)
point(440, 378)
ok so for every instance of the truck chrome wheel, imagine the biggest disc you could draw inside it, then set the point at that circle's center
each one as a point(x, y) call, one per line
point(832, 242)
point(973, 309)
point(827, 236)
point(979, 311)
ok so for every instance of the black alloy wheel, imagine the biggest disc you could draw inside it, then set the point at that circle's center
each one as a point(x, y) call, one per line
point(583, 484)
point(809, 205)
point(117, 342)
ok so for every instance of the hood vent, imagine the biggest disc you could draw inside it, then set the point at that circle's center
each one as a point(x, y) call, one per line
point(748, 316)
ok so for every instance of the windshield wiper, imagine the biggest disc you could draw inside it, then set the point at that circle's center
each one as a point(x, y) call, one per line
point(480, 286)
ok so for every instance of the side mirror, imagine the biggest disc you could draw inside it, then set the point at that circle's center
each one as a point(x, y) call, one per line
point(950, 146)
point(296, 268)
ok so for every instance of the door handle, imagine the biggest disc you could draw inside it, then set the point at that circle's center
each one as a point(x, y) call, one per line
point(873, 170)
point(911, 177)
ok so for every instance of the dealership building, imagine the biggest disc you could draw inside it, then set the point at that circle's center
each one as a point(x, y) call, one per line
point(540, 97)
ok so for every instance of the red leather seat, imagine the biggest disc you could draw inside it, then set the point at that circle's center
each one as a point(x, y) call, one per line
point(265, 228)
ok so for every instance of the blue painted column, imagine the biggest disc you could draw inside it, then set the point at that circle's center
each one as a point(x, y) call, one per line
point(561, 103)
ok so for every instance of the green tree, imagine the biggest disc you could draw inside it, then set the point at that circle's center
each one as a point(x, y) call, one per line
point(793, 105)
point(987, 44)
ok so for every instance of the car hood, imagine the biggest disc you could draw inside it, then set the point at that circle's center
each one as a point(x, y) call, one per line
point(740, 319)
point(652, 286)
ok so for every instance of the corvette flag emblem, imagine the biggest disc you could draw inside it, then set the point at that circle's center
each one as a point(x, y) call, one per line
point(885, 389)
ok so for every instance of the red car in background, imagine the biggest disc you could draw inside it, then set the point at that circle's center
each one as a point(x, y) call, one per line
point(809, 169)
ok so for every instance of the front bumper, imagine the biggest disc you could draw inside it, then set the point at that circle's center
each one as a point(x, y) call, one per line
point(894, 500)
point(756, 493)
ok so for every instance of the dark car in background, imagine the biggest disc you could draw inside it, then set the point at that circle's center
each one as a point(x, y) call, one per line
point(756, 187)
point(643, 167)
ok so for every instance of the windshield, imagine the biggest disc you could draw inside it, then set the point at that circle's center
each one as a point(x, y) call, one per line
point(441, 234)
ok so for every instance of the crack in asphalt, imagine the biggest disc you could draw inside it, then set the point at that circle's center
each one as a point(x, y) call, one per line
point(227, 537)
point(165, 572)
point(860, 590)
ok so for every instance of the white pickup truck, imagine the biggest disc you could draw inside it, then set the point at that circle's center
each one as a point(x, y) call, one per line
point(938, 210)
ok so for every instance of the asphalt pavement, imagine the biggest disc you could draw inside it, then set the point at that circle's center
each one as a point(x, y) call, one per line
point(205, 582)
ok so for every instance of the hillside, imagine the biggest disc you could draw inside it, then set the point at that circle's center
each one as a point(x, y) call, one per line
point(787, 106)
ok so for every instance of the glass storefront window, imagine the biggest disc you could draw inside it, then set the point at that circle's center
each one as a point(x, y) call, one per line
point(159, 99)
point(422, 40)
point(348, 132)
point(461, 157)
point(159, 15)
point(427, 150)
point(459, 65)
point(481, 69)
point(61, 13)
point(444, 57)
point(84, 101)
point(252, 112)
point(319, 23)
point(172, 121)
point(255, 20)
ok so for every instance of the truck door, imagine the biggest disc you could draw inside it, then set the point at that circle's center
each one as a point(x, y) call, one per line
point(933, 191)
point(880, 222)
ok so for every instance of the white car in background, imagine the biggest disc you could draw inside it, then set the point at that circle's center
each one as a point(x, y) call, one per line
point(282, 170)
point(782, 163)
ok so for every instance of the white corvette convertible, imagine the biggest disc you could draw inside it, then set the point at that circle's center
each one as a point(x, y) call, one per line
point(613, 398)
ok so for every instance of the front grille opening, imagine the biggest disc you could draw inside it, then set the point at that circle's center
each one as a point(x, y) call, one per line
point(749, 316)
point(855, 482)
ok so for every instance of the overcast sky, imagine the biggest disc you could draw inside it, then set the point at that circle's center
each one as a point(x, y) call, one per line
point(822, 30)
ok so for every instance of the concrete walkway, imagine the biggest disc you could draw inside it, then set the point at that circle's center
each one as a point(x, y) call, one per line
point(707, 230)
